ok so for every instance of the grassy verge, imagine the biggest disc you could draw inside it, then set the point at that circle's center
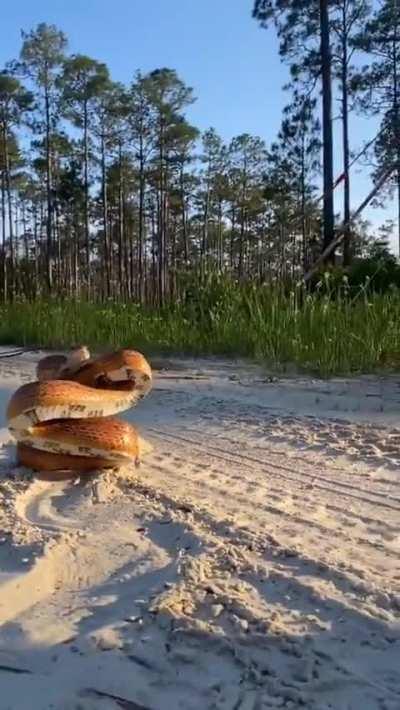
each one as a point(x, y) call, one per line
point(321, 334)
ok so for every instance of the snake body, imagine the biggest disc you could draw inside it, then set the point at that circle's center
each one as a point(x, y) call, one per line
point(64, 420)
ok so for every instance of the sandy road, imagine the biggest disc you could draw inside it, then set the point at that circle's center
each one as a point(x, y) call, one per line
point(252, 562)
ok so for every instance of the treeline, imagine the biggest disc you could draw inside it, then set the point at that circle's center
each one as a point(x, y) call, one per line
point(107, 191)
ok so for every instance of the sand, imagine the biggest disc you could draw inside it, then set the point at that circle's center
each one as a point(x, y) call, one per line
point(251, 562)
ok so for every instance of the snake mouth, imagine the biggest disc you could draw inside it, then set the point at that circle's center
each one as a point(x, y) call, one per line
point(106, 383)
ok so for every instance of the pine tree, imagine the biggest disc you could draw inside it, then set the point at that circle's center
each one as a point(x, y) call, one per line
point(141, 121)
point(83, 80)
point(347, 18)
point(42, 56)
point(168, 96)
point(380, 81)
point(247, 163)
point(299, 148)
point(15, 100)
point(303, 28)
point(213, 192)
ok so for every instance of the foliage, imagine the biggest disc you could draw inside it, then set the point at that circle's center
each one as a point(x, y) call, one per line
point(325, 334)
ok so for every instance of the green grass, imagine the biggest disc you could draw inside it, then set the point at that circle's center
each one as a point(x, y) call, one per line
point(326, 335)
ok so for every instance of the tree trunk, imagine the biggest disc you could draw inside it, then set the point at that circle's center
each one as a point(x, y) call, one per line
point(184, 226)
point(396, 118)
point(7, 170)
point(49, 195)
point(398, 198)
point(326, 65)
point(303, 188)
point(86, 187)
point(36, 257)
point(141, 222)
point(232, 244)
point(242, 219)
point(25, 275)
point(76, 260)
point(16, 247)
point(220, 245)
point(57, 245)
point(106, 255)
point(3, 236)
point(154, 244)
point(111, 254)
point(161, 220)
point(346, 146)
point(204, 242)
point(166, 236)
point(241, 245)
point(120, 223)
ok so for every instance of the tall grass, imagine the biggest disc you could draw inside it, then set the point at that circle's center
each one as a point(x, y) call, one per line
point(325, 334)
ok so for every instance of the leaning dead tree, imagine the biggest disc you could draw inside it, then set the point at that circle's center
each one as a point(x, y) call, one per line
point(341, 232)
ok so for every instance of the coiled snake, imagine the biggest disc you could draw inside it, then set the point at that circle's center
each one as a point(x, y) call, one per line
point(64, 422)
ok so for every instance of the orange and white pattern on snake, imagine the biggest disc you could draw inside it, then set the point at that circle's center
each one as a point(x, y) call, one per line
point(108, 437)
point(72, 416)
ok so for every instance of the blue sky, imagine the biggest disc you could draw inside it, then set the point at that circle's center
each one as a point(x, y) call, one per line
point(215, 46)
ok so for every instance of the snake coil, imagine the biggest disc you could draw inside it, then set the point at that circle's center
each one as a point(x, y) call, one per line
point(64, 421)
